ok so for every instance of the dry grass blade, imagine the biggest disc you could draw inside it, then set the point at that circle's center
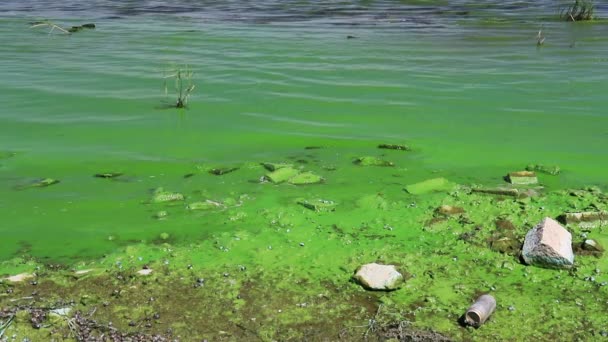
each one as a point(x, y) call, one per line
point(50, 25)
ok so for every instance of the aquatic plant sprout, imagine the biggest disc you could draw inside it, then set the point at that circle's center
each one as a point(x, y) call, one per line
point(182, 84)
point(50, 25)
point(578, 11)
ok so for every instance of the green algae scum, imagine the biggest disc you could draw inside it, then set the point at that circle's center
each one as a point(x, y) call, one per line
point(233, 171)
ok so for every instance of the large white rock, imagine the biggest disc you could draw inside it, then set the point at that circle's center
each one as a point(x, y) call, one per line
point(378, 277)
point(548, 245)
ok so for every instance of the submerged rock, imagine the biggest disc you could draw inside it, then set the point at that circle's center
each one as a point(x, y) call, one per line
point(429, 185)
point(548, 245)
point(522, 178)
point(372, 161)
point(378, 277)
point(553, 170)
point(305, 178)
point(281, 175)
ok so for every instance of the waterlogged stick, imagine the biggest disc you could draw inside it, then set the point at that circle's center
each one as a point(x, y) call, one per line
point(479, 312)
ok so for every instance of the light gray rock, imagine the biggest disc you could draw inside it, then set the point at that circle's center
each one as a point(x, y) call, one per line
point(378, 277)
point(548, 245)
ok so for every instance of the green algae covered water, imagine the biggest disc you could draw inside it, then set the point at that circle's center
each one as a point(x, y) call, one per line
point(148, 222)
point(465, 85)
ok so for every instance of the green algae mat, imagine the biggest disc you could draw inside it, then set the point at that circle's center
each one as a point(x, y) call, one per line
point(314, 140)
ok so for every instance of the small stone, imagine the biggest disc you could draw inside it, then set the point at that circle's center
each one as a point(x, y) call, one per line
point(378, 277)
point(449, 210)
point(522, 178)
point(592, 246)
point(19, 277)
point(548, 245)
point(145, 272)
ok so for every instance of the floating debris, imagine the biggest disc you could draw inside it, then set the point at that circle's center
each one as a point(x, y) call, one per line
point(478, 313)
point(39, 183)
point(108, 175)
point(162, 196)
point(204, 205)
point(318, 204)
point(372, 161)
point(222, 170)
point(395, 147)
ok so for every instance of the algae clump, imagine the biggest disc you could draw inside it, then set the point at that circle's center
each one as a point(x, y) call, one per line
point(429, 185)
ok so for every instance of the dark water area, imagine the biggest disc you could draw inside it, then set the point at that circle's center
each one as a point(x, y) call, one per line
point(439, 12)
